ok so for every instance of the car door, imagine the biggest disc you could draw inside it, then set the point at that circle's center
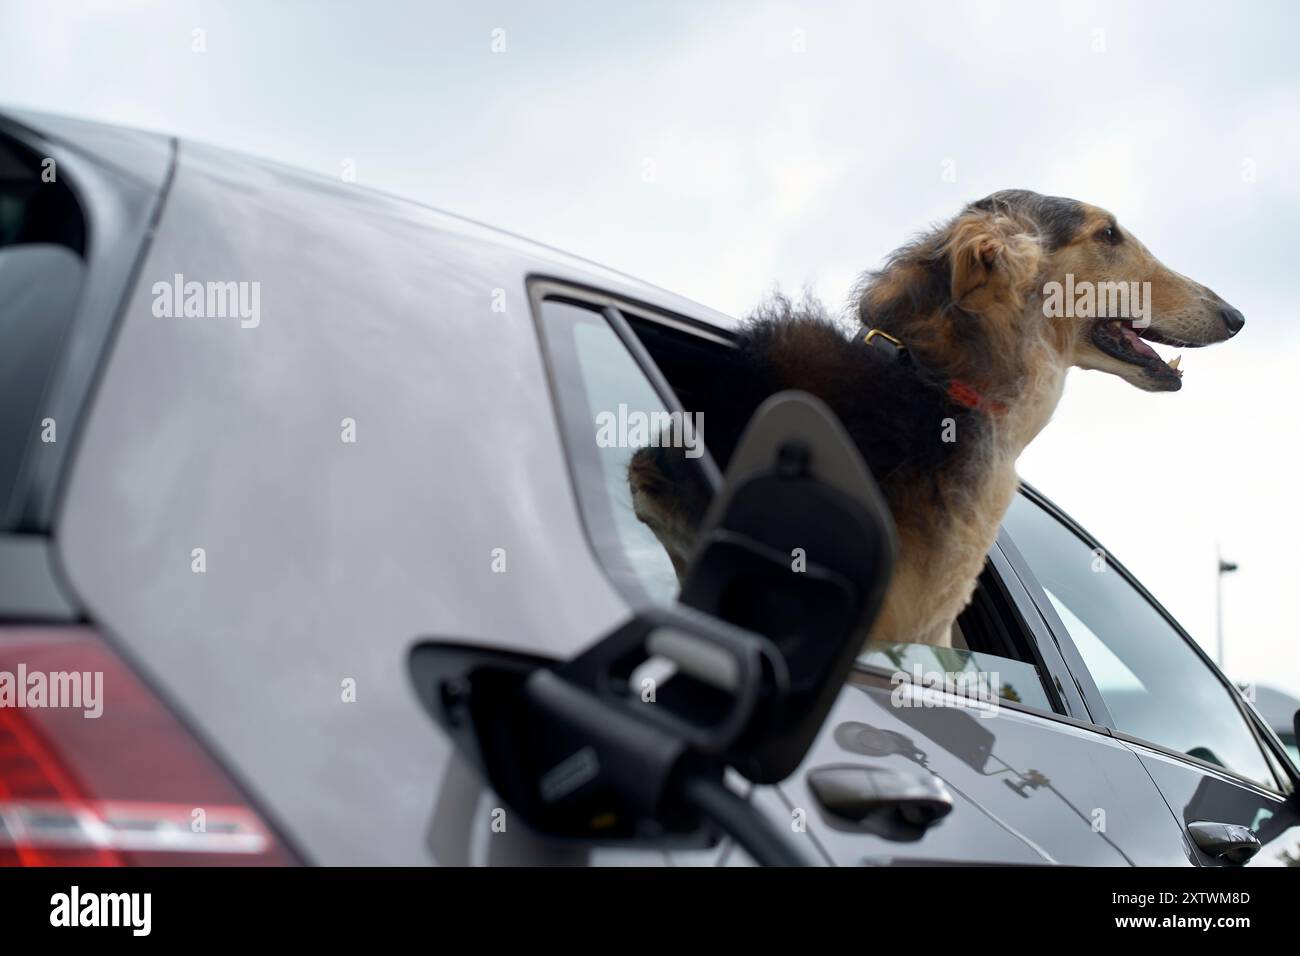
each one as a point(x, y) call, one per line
point(1215, 762)
point(1031, 783)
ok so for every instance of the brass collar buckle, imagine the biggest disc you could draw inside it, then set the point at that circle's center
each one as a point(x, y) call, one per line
point(871, 335)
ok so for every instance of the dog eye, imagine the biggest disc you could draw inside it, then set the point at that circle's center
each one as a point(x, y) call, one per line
point(1110, 235)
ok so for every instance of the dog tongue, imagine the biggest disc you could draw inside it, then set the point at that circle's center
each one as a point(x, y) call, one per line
point(1135, 342)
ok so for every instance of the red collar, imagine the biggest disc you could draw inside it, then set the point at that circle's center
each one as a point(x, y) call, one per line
point(967, 396)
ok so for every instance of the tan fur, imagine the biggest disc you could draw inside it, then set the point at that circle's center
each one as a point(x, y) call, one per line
point(987, 328)
point(996, 265)
point(999, 269)
point(940, 559)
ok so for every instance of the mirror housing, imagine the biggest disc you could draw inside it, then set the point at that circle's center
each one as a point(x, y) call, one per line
point(798, 546)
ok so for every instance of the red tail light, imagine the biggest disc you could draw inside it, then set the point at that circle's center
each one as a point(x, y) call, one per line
point(130, 787)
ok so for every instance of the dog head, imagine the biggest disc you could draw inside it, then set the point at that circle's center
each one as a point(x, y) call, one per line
point(1018, 271)
point(669, 495)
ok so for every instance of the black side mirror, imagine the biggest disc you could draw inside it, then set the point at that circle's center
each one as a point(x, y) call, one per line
point(795, 555)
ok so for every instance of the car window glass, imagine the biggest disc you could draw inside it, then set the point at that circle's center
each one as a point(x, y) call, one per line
point(599, 383)
point(42, 238)
point(1155, 685)
point(39, 285)
point(1108, 671)
point(967, 673)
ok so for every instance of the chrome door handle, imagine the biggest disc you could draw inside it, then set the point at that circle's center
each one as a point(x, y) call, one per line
point(856, 792)
point(1225, 841)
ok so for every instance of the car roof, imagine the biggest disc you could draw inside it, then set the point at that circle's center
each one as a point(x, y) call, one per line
point(125, 147)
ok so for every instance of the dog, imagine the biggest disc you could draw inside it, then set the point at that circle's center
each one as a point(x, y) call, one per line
point(966, 337)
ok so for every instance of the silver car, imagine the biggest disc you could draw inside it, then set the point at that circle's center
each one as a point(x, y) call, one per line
point(265, 436)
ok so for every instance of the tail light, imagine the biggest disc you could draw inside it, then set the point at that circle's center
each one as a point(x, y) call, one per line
point(129, 787)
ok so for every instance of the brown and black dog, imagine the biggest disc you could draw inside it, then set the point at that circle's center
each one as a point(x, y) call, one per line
point(979, 320)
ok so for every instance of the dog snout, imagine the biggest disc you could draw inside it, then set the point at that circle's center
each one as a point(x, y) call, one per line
point(1232, 318)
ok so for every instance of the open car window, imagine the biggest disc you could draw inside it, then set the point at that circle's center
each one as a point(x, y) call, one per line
point(992, 653)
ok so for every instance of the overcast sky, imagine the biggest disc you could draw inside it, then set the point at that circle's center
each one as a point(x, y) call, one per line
point(718, 148)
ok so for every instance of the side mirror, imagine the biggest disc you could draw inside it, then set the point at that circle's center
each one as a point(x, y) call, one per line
point(796, 553)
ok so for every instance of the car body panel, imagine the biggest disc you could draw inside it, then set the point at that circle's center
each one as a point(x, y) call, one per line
point(1199, 794)
point(1027, 789)
point(326, 560)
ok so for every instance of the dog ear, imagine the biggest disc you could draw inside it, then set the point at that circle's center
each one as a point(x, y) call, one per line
point(994, 262)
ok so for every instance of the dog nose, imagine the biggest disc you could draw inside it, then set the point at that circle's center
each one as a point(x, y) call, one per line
point(1233, 319)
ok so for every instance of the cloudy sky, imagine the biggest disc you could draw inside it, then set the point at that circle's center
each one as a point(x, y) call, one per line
point(719, 148)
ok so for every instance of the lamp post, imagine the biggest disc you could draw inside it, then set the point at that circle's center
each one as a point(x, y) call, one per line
point(1225, 567)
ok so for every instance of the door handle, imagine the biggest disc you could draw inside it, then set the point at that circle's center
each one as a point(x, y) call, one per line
point(1225, 841)
point(858, 793)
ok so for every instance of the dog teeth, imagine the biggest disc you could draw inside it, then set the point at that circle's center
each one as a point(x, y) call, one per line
point(1173, 362)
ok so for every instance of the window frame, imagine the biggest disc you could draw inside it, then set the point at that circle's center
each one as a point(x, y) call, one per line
point(598, 527)
point(1271, 748)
